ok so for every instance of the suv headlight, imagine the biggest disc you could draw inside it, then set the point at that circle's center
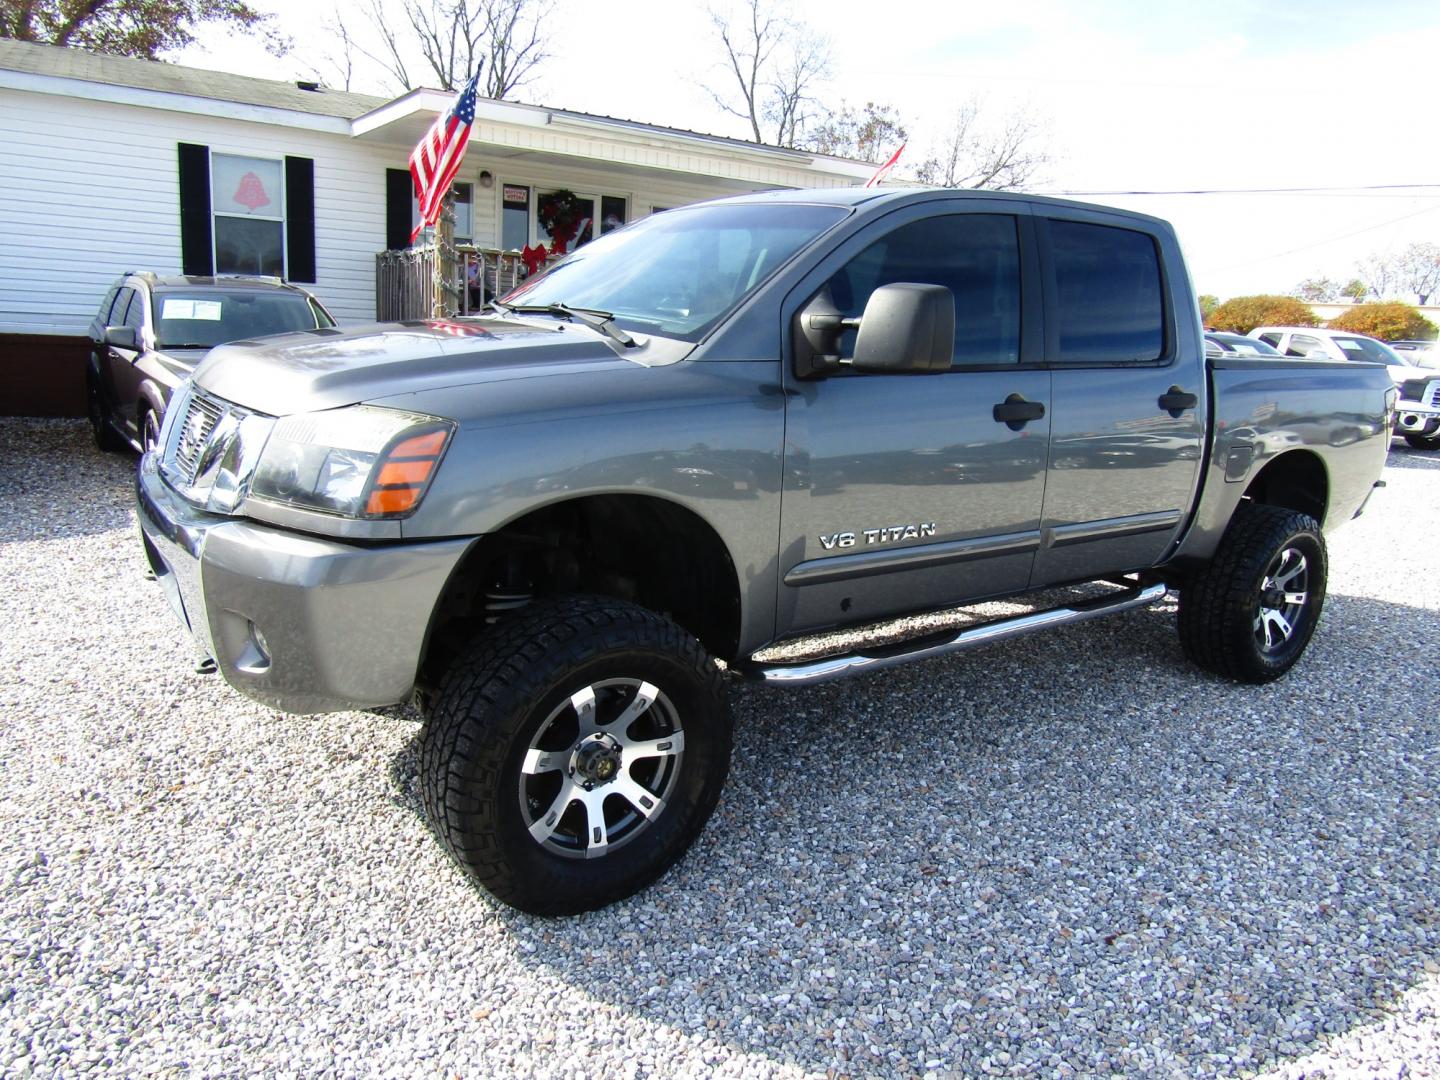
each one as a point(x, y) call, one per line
point(358, 462)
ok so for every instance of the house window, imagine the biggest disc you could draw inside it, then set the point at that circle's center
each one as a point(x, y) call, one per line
point(247, 196)
point(463, 200)
point(611, 211)
point(515, 217)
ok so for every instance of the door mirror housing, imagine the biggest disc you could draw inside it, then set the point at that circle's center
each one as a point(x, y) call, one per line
point(122, 337)
point(906, 327)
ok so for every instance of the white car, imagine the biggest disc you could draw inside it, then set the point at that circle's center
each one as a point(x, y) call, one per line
point(1417, 415)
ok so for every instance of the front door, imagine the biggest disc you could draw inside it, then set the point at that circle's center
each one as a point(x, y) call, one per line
point(1128, 403)
point(905, 492)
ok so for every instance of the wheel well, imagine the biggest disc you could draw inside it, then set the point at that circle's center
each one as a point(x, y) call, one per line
point(1297, 481)
point(633, 547)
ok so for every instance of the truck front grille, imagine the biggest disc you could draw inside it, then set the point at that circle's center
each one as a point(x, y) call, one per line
point(201, 416)
point(1431, 396)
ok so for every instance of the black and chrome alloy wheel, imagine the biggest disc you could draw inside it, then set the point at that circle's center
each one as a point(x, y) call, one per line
point(601, 767)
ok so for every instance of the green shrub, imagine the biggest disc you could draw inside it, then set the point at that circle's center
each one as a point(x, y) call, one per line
point(1388, 321)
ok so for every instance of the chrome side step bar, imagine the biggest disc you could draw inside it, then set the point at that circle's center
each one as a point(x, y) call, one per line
point(810, 672)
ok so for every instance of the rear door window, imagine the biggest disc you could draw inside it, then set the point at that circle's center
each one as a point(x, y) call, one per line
point(1109, 297)
point(1303, 344)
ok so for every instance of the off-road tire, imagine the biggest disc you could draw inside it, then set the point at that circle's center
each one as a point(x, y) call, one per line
point(1223, 606)
point(500, 696)
point(1424, 442)
point(106, 438)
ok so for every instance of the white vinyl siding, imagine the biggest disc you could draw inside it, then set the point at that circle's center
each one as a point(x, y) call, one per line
point(92, 190)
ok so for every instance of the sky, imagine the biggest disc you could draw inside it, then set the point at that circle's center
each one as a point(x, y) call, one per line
point(1131, 96)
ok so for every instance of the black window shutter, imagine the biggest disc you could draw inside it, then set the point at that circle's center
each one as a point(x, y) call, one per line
point(300, 219)
point(398, 208)
point(196, 254)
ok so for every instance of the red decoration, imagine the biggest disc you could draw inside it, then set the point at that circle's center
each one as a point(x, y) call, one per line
point(251, 192)
point(534, 257)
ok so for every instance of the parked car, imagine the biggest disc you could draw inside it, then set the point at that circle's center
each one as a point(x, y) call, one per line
point(1221, 343)
point(1417, 415)
point(718, 428)
point(1424, 354)
point(151, 331)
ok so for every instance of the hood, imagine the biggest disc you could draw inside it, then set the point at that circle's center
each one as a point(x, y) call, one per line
point(326, 369)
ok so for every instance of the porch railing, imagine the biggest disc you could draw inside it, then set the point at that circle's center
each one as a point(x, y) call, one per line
point(405, 281)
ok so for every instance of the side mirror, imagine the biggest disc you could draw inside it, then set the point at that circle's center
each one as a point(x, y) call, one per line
point(122, 337)
point(906, 328)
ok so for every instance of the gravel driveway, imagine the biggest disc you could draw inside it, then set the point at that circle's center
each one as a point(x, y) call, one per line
point(1070, 855)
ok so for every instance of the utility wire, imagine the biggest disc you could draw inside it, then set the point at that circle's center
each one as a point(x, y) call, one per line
point(1336, 190)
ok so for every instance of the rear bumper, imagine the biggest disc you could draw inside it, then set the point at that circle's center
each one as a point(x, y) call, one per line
point(297, 622)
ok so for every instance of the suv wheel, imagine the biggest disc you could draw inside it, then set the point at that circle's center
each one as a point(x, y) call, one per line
point(574, 752)
point(149, 431)
point(1424, 442)
point(1251, 612)
point(105, 437)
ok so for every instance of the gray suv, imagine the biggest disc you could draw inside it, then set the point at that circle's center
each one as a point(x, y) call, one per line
point(151, 331)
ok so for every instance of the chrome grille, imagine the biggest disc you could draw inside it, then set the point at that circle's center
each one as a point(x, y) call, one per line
point(201, 416)
point(1431, 396)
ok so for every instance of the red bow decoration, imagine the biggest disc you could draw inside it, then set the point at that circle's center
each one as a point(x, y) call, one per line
point(534, 257)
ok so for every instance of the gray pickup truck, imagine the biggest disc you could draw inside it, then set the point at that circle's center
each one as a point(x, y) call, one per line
point(723, 427)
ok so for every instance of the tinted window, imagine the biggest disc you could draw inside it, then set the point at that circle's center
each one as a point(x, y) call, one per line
point(1108, 293)
point(117, 310)
point(200, 318)
point(975, 256)
point(1367, 349)
point(135, 313)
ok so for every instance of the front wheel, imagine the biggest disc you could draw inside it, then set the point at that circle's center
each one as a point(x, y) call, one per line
point(1251, 612)
point(574, 752)
point(1424, 442)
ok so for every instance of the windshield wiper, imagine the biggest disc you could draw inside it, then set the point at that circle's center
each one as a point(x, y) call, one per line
point(591, 317)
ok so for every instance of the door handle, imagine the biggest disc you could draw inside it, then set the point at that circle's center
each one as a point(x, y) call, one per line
point(1175, 401)
point(1015, 412)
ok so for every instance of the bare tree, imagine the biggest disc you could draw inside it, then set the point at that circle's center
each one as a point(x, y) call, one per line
point(1379, 273)
point(447, 41)
point(974, 154)
point(1321, 290)
point(772, 65)
point(871, 133)
point(1418, 270)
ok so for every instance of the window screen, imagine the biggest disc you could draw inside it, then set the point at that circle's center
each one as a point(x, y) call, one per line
point(1108, 293)
point(975, 256)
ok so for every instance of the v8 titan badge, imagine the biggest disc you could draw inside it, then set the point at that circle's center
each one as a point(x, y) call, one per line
point(886, 534)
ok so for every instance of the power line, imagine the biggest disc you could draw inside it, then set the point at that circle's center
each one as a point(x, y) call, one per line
point(1331, 190)
point(1318, 243)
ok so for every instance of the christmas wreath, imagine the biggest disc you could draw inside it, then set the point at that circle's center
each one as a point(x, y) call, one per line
point(561, 213)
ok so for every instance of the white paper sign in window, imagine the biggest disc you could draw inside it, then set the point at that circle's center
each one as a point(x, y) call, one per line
point(205, 310)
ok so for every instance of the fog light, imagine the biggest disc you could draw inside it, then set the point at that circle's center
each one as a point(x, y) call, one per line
point(255, 657)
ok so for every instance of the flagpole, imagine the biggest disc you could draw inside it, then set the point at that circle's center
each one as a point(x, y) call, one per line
point(441, 288)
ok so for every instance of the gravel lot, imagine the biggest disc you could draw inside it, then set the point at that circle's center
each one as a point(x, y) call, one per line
point(1070, 855)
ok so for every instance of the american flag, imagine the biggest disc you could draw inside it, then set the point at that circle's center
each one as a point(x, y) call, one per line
point(436, 160)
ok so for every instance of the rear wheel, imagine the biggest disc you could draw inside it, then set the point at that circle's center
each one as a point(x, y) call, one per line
point(1251, 612)
point(104, 434)
point(574, 752)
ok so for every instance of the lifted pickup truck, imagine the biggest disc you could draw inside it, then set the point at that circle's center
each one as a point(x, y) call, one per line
point(723, 427)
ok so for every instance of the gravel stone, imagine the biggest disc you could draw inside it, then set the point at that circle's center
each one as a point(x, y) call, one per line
point(1069, 855)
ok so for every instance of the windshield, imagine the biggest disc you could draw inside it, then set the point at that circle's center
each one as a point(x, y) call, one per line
point(680, 272)
point(202, 318)
point(1367, 349)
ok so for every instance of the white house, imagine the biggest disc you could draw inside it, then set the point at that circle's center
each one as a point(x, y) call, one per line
point(110, 164)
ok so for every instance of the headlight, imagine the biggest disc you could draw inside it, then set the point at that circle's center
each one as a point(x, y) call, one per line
point(359, 462)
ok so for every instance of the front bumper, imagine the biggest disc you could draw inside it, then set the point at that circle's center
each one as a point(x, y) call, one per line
point(1413, 418)
point(298, 622)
